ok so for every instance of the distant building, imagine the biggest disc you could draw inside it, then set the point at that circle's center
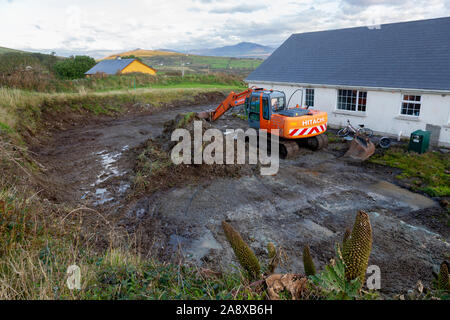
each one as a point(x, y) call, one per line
point(394, 78)
point(120, 66)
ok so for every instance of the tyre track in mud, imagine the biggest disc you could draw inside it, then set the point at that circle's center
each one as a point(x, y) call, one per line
point(91, 164)
point(310, 201)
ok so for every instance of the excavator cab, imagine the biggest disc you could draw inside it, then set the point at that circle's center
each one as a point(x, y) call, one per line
point(261, 104)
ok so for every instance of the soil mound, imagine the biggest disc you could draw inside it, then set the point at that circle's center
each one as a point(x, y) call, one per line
point(156, 155)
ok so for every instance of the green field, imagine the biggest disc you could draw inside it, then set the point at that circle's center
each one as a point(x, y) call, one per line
point(202, 64)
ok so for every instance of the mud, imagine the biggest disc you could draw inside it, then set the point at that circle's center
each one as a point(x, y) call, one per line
point(311, 201)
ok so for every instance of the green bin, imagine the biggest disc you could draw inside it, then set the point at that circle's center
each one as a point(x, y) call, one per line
point(419, 141)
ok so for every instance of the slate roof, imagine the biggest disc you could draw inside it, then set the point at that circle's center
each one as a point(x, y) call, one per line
point(413, 55)
point(111, 66)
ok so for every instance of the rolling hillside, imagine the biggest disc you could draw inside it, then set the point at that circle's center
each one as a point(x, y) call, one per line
point(174, 62)
point(240, 50)
point(141, 53)
point(7, 50)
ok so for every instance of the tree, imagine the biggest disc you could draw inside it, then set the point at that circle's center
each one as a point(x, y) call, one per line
point(132, 56)
point(74, 67)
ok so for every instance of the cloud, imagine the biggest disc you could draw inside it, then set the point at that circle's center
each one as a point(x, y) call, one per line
point(181, 25)
point(244, 8)
point(372, 12)
point(367, 3)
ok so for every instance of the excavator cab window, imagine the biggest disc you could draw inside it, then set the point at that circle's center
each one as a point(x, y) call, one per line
point(278, 104)
point(266, 109)
point(253, 112)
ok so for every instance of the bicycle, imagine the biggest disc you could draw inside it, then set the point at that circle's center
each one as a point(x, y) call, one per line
point(350, 130)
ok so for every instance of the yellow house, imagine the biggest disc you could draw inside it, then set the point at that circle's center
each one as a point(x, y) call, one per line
point(120, 66)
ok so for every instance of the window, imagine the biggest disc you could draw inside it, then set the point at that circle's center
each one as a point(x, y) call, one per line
point(411, 105)
point(309, 97)
point(352, 100)
point(266, 110)
point(277, 104)
point(254, 104)
point(253, 112)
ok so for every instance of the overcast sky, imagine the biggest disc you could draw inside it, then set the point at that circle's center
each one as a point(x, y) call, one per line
point(96, 25)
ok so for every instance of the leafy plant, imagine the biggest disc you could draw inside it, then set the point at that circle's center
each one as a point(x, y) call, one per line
point(333, 282)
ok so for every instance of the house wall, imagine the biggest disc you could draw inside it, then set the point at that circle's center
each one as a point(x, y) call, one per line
point(382, 110)
point(137, 66)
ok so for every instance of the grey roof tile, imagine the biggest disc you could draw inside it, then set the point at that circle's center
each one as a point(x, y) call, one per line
point(110, 66)
point(413, 55)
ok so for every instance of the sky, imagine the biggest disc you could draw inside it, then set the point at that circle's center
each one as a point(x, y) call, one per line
point(100, 27)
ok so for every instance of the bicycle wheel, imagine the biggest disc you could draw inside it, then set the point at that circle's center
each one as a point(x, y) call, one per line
point(367, 132)
point(385, 142)
point(343, 132)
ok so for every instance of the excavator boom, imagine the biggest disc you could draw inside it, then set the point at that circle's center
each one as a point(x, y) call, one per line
point(233, 100)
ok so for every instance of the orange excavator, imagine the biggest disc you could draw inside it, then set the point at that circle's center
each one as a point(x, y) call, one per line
point(268, 110)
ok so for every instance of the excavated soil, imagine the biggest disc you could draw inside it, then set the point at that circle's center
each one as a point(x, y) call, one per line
point(312, 200)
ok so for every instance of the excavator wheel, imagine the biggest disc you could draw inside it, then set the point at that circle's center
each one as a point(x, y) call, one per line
point(318, 142)
point(288, 149)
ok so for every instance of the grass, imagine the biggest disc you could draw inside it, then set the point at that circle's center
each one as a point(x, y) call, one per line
point(40, 240)
point(194, 85)
point(428, 172)
point(39, 244)
point(164, 61)
point(194, 63)
point(160, 81)
point(332, 137)
point(152, 163)
point(45, 82)
point(152, 280)
point(143, 53)
point(22, 110)
point(7, 50)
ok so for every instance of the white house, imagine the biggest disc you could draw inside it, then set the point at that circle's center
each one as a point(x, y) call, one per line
point(393, 78)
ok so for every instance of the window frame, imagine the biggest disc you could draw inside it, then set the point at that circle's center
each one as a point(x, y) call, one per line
point(357, 105)
point(402, 101)
point(306, 97)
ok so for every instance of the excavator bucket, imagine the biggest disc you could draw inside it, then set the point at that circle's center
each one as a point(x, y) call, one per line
point(360, 149)
point(205, 115)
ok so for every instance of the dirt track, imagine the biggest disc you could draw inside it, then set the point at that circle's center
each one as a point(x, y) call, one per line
point(310, 201)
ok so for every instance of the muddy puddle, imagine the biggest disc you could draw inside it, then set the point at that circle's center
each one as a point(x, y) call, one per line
point(312, 200)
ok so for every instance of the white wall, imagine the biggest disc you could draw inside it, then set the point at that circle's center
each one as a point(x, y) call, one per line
point(382, 111)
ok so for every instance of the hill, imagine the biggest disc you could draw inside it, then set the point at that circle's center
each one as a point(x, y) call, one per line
point(141, 53)
point(240, 50)
point(8, 50)
point(171, 62)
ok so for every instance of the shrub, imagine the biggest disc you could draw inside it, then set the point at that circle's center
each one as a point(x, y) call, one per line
point(74, 67)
